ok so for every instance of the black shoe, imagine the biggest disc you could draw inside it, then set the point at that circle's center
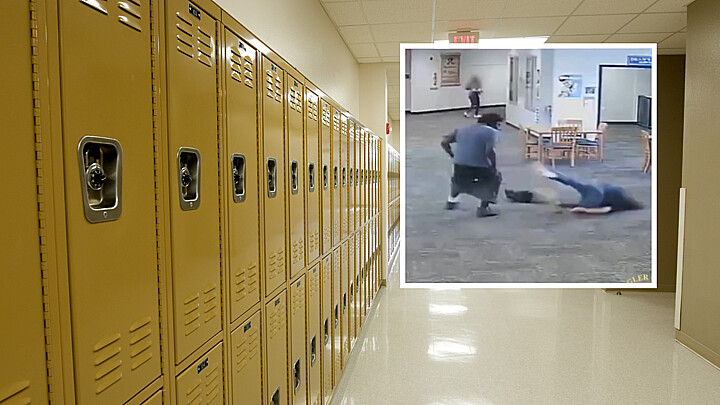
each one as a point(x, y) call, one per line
point(510, 194)
point(483, 212)
point(449, 205)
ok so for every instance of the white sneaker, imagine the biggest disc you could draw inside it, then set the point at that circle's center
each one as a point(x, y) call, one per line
point(465, 114)
point(544, 171)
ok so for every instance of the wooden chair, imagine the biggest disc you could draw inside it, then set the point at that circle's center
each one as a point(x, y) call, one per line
point(591, 146)
point(561, 145)
point(647, 141)
point(571, 122)
point(532, 144)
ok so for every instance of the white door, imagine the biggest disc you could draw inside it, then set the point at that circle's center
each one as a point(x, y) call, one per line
point(619, 92)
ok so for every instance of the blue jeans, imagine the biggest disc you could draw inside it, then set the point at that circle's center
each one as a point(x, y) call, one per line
point(590, 196)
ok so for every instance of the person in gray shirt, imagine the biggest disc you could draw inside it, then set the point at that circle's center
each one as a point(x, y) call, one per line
point(475, 165)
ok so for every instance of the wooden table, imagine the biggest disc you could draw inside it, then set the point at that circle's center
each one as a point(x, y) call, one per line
point(545, 131)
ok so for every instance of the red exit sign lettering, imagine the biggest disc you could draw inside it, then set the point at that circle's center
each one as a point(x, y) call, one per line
point(464, 37)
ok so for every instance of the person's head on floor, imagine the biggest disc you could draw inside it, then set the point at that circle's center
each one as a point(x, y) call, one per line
point(491, 120)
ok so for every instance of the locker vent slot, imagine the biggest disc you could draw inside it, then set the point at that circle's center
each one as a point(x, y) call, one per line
point(192, 313)
point(130, 14)
point(297, 300)
point(205, 48)
point(15, 392)
point(210, 302)
point(212, 384)
point(246, 281)
point(336, 122)
point(193, 395)
point(247, 348)
point(99, 5)
point(140, 342)
point(277, 319)
point(107, 362)
point(326, 114)
point(312, 106)
point(184, 35)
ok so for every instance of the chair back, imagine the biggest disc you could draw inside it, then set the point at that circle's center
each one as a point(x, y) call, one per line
point(647, 140)
point(571, 122)
point(563, 135)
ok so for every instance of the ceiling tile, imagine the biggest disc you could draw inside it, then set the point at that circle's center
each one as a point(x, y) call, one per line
point(404, 32)
point(356, 34)
point(669, 6)
point(485, 27)
point(525, 27)
point(363, 50)
point(539, 8)
point(592, 7)
point(468, 9)
point(671, 51)
point(596, 24)
point(345, 13)
point(391, 59)
point(388, 48)
point(663, 22)
point(675, 41)
point(397, 11)
point(638, 38)
point(335, 1)
point(577, 38)
point(369, 60)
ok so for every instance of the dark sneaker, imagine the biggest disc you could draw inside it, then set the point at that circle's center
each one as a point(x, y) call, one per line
point(510, 194)
point(449, 205)
point(483, 212)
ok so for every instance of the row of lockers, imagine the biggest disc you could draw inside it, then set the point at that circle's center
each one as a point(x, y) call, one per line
point(393, 174)
point(393, 208)
point(171, 176)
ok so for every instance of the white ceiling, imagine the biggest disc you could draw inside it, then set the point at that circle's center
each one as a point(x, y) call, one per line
point(374, 29)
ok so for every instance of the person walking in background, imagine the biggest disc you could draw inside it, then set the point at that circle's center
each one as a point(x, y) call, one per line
point(475, 163)
point(473, 87)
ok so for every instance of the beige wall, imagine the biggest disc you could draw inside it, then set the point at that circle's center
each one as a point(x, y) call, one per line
point(394, 138)
point(302, 33)
point(373, 97)
point(700, 304)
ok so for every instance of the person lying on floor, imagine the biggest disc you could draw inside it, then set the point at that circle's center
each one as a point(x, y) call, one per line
point(594, 199)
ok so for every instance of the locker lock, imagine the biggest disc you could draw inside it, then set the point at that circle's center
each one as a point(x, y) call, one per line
point(238, 177)
point(100, 163)
point(327, 331)
point(294, 177)
point(296, 375)
point(344, 303)
point(337, 315)
point(271, 177)
point(188, 165)
point(335, 177)
point(313, 350)
point(311, 177)
point(325, 177)
point(344, 177)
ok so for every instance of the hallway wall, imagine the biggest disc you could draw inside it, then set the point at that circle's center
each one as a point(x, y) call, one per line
point(700, 304)
point(302, 33)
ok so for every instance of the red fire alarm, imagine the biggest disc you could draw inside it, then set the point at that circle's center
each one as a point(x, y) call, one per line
point(387, 128)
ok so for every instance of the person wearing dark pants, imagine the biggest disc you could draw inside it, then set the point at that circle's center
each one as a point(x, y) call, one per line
point(474, 97)
point(475, 164)
point(594, 199)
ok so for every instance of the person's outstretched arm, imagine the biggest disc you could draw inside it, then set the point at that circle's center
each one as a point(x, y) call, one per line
point(447, 140)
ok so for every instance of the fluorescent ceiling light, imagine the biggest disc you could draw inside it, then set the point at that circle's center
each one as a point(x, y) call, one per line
point(512, 42)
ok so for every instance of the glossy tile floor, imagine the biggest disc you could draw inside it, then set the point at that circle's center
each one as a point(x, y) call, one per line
point(523, 346)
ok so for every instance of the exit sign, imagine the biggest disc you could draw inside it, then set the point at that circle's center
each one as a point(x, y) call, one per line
point(464, 37)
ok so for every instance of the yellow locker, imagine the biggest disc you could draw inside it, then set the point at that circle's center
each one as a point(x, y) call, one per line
point(241, 172)
point(345, 310)
point(357, 164)
point(246, 362)
point(202, 382)
point(336, 168)
point(337, 315)
point(350, 208)
point(326, 305)
point(276, 343)
point(313, 176)
point(326, 176)
point(192, 146)
point(155, 399)
point(22, 341)
point(366, 174)
point(295, 165)
point(343, 176)
point(297, 363)
point(358, 285)
point(314, 336)
point(106, 77)
point(273, 188)
point(351, 290)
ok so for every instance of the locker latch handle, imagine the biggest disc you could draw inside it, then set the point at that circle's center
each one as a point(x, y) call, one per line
point(325, 177)
point(356, 176)
point(344, 177)
point(313, 350)
point(296, 374)
point(100, 163)
point(294, 177)
point(335, 177)
point(327, 330)
point(337, 315)
point(311, 177)
point(188, 165)
point(238, 177)
point(344, 303)
point(275, 398)
point(271, 177)
point(350, 176)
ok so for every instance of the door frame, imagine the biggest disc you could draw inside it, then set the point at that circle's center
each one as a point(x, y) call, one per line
point(600, 83)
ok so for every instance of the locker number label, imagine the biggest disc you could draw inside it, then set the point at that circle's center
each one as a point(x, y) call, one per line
point(247, 327)
point(277, 302)
point(203, 365)
point(194, 11)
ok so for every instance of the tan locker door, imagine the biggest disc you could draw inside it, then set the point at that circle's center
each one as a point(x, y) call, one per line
point(193, 144)
point(337, 315)
point(246, 362)
point(155, 399)
point(107, 119)
point(202, 382)
point(350, 210)
point(336, 173)
point(326, 324)
point(22, 341)
point(297, 365)
point(295, 166)
point(326, 175)
point(275, 351)
point(351, 290)
point(314, 340)
point(273, 168)
point(343, 176)
point(344, 304)
point(241, 169)
point(313, 176)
